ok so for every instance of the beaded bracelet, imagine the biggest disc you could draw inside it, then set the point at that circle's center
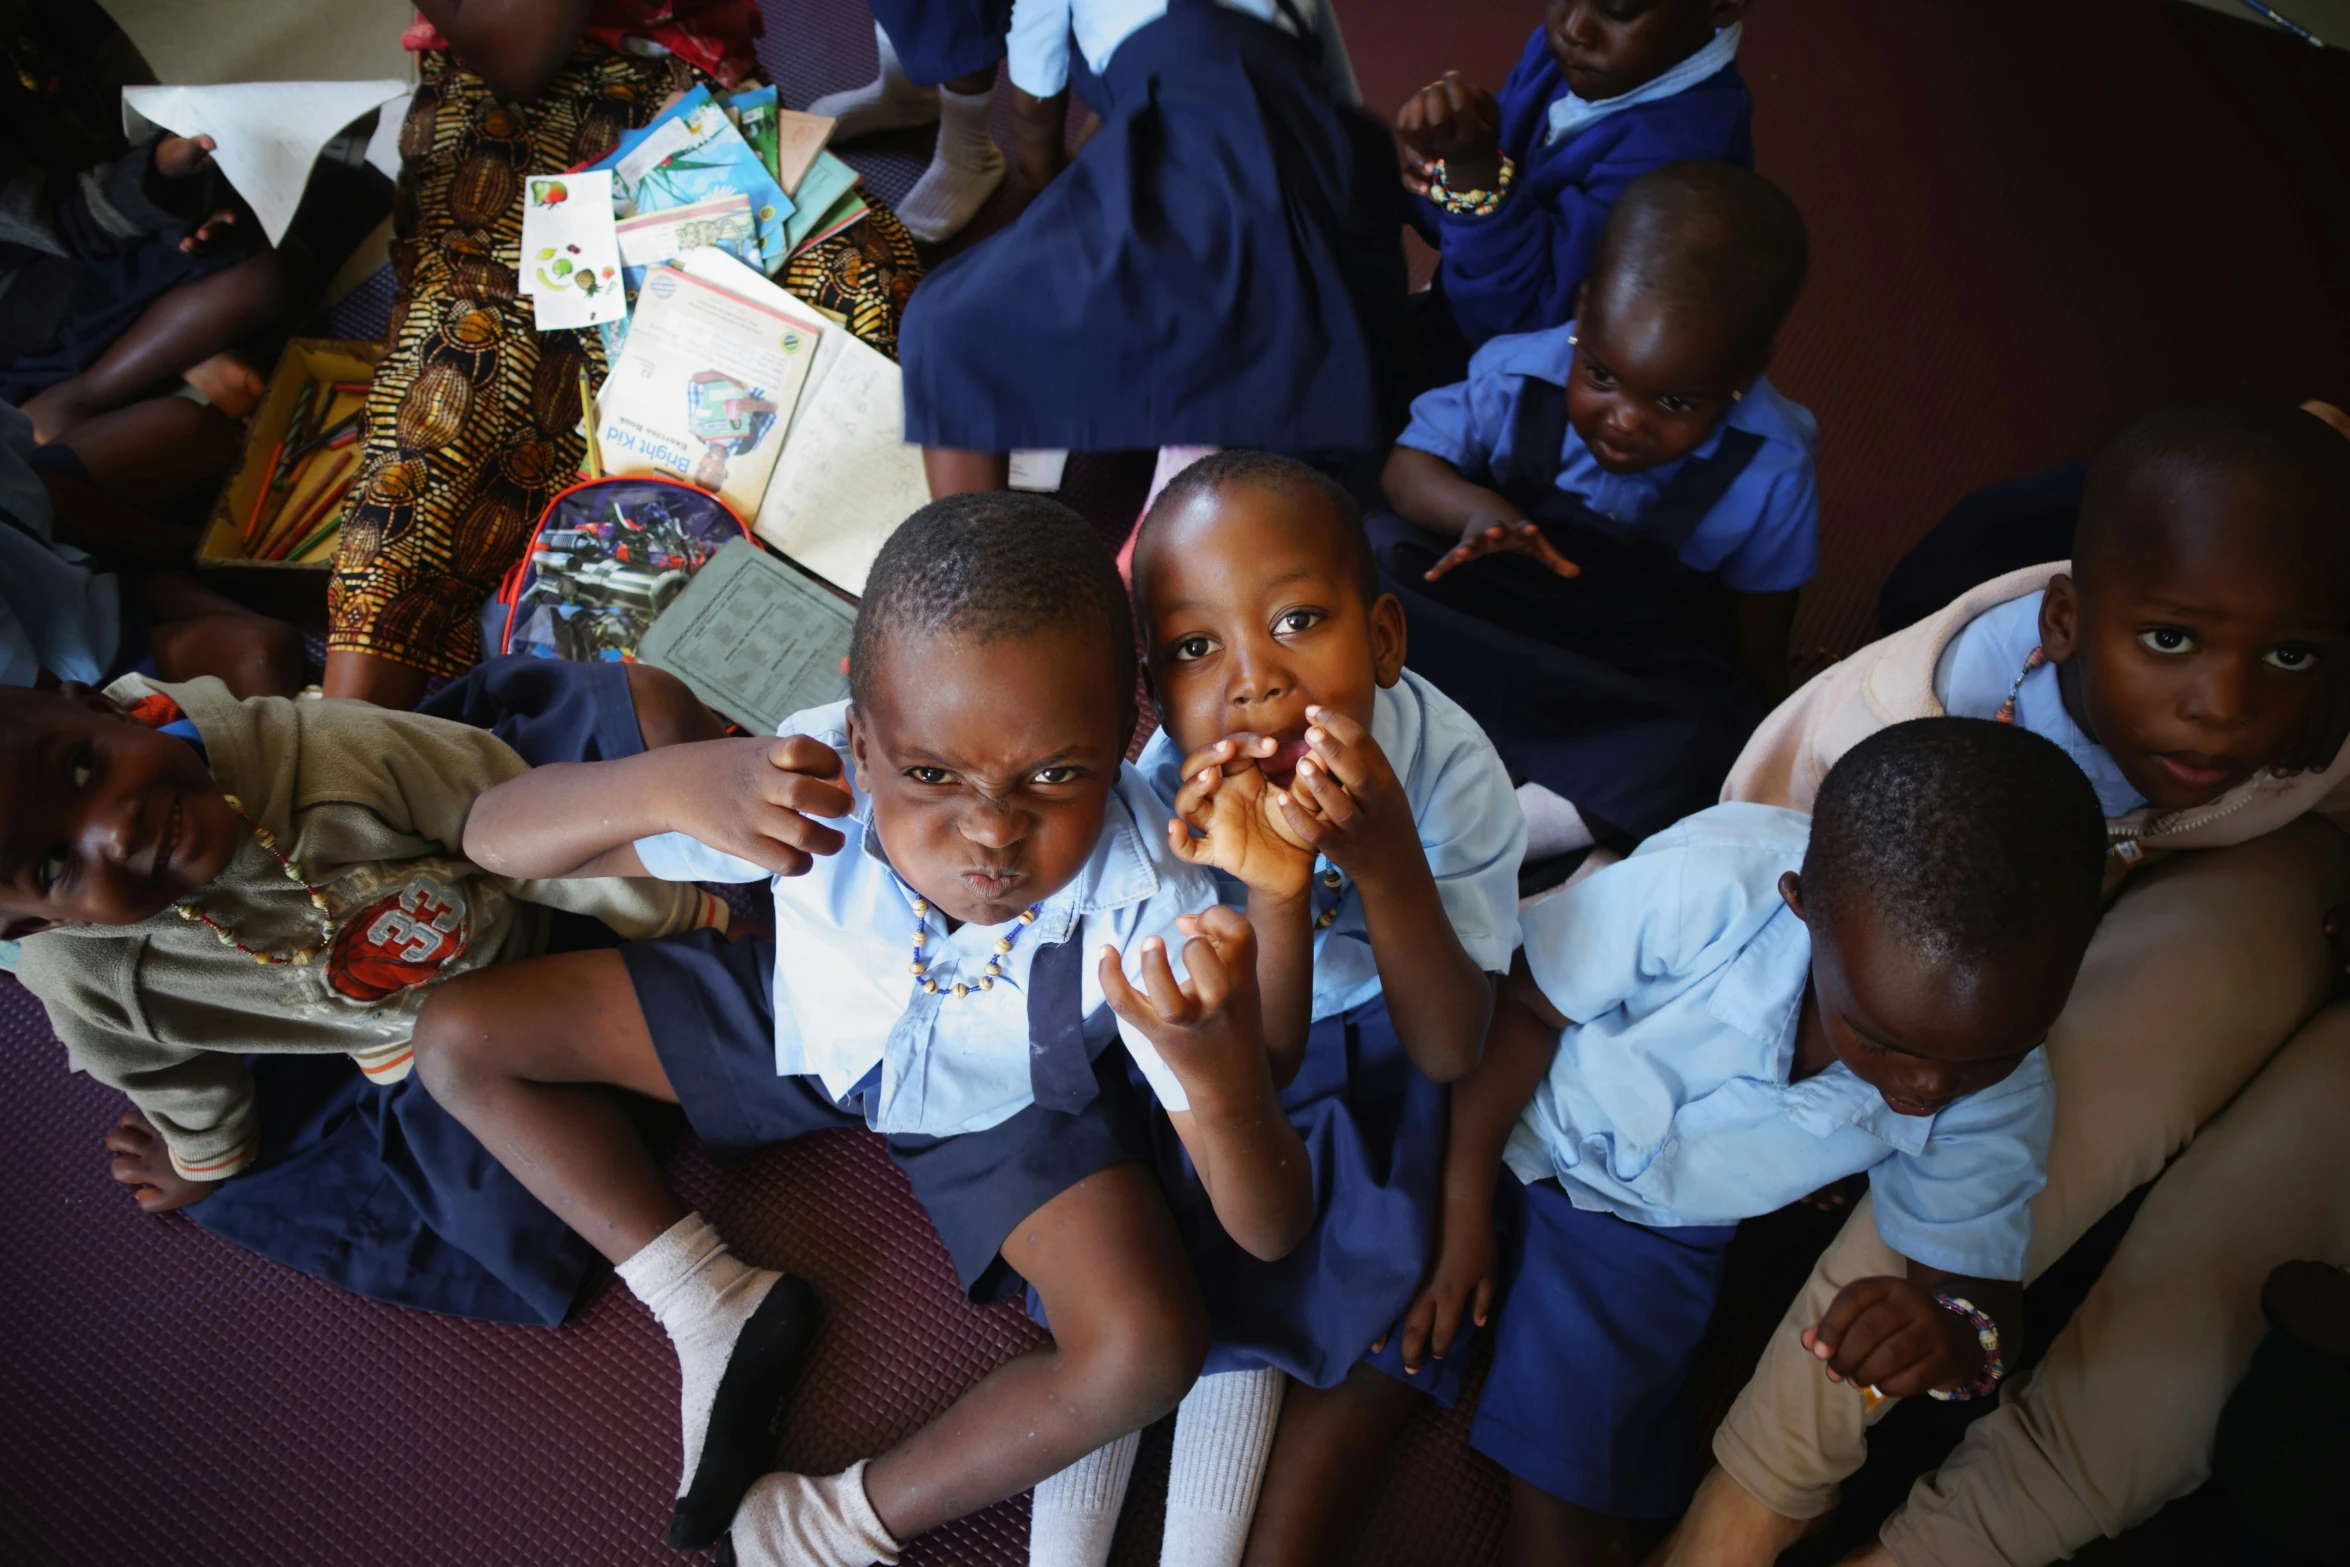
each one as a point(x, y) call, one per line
point(1987, 1335)
point(1471, 203)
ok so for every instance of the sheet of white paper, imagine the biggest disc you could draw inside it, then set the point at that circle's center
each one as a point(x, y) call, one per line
point(190, 41)
point(570, 254)
point(383, 148)
point(846, 478)
point(269, 133)
point(1038, 471)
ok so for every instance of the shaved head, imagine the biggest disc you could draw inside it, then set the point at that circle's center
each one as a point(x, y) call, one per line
point(1704, 244)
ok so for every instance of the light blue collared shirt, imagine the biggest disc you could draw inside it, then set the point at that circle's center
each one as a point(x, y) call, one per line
point(845, 1000)
point(1683, 972)
point(1973, 676)
point(1762, 536)
point(1470, 828)
point(56, 613)
point(1036, 53)
point(1568, 114)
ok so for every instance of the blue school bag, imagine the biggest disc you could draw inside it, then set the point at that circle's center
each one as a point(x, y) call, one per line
point(607, 557)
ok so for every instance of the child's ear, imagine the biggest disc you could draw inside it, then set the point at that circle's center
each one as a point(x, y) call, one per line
point(857, 750)
point(1791, 889)
point(1754, 373)
point(2060, 619)
point(1582, 298)
point(1388, 638)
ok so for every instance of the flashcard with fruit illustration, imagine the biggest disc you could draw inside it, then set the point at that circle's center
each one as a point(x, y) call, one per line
point(570, 254)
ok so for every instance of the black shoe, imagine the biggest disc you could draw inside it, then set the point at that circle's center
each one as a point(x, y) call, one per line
point(739, 1444)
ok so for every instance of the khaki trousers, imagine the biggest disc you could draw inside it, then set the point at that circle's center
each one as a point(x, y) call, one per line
point(2119, 1419)
point(2204, 965)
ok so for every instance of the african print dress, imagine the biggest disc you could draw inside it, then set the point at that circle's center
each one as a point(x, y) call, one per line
point(472, 420)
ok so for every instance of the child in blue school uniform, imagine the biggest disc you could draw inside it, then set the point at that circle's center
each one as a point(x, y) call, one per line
point(1755, 1005)
point(1513, 191)
point(943, 970)
point(1368, 828)
point(938, 63)
point(1219, 265)
point(1600, 534)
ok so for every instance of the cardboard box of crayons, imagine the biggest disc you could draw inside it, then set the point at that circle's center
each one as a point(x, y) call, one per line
point(282, 506)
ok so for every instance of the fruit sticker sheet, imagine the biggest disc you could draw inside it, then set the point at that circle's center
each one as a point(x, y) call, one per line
point(570, 254)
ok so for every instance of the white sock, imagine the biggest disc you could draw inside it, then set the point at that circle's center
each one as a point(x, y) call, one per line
point(1075, 1515)
point(791, 1520)
point(702, 1294)
point(963, 172)
point(1553, 826)
point(890, 102)
point(1223, 1437)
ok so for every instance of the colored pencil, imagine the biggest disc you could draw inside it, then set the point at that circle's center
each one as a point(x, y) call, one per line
point(261, 496)
point(300, 512)
point(587, 422)
point(324, 530)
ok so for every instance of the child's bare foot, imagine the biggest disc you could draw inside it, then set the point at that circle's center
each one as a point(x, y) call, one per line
point(142, 1163)
point(228, 383)
point(1727, 1527)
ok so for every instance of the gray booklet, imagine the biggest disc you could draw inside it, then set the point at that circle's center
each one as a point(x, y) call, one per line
point(755, 638)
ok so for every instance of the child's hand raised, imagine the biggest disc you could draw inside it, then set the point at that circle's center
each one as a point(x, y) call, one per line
point(1513, 534)
point(753, 798)
point(1346, 802)
point(1889, 1334)
point(1229, 801)
point(1457, 122)
point(1207, 1028)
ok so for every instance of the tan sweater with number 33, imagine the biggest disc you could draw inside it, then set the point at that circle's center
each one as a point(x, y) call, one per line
point(371, 804)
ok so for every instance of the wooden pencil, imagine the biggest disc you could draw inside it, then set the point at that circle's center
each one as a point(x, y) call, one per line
point(261, 495)
point(298, 515)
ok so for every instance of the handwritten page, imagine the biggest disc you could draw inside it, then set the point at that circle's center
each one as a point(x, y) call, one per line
point(755, 639)
point(269, 133)
point(1038, 471)
point(846, 477)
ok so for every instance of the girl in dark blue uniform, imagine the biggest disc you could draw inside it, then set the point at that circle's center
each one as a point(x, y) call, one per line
point(1600, 534)
point(1221, 265)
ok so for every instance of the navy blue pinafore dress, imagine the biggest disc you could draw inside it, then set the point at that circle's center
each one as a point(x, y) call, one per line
point(1617, 689)
point(940, 40)
point(1220, 266)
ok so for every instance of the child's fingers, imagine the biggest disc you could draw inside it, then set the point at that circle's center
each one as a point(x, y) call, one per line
point(1482, 1309)
point(1167, 998)
point(1304, 827)
point(1235, 753)
point(804, 754)
point(1353, 757)
point(1852, 1300)
point(1208, 983)
point(1190, 850)
point(1198, 789)
point(784, 825)
point(1274, 806)
point(1331, 801)
point(1123, 998)
point(1531, 540)
point(1416, 1325)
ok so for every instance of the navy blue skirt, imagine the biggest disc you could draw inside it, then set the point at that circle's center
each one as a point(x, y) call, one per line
point(380, 1190)
point(1590, 1396)
point(1636, 724)
point(1374, 1134)
point(110, 295)
point(939, 40)
point(709, 1005)
point(1220, 266)
point(383, 1192)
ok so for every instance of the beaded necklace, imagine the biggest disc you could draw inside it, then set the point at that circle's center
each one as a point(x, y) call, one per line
point(920, 969)
point(188, 909)
point(2032, 660)
point(1336, 883)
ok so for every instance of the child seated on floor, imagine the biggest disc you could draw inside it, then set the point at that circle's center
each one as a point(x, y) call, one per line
point(1368, 828)
point(208, 890)
point(1754, 1005)
point(1650, 497)
point(65, 616)
point(2190, 659)
point(1513, 191)
point(944, 969)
